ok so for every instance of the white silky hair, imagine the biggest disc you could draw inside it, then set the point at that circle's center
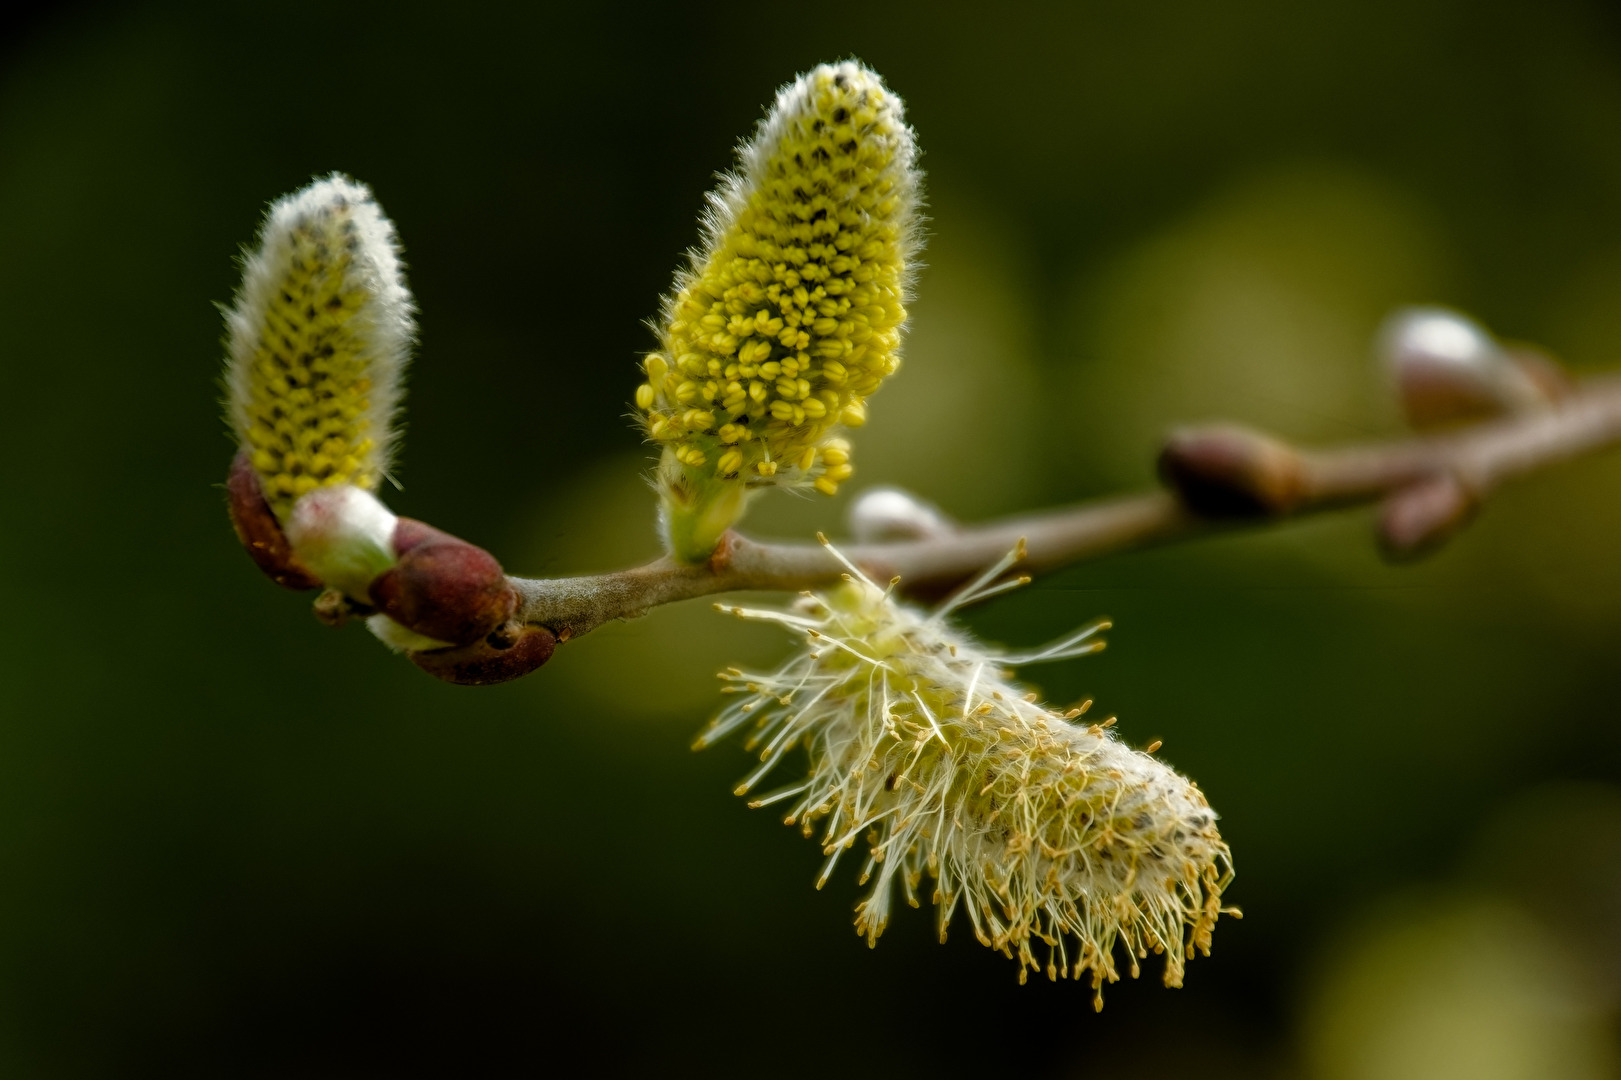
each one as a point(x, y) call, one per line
point(730, 198)
point(387, 318)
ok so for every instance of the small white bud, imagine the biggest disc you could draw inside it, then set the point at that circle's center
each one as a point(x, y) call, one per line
point(890, 513)
point(1446, 368)
point(345, 536)
point(399, 638)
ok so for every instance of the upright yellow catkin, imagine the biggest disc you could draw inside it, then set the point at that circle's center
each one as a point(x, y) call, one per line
point(319, 336)
point(791, 312)
point(1058, 842)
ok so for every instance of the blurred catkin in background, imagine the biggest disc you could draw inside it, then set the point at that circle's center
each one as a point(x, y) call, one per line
point(236, 844)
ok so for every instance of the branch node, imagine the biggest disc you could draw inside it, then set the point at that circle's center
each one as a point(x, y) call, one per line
point(721, 557)
point(506, 635)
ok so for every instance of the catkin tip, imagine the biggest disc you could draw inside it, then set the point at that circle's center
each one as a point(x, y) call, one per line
point(318, 338)
point(791, 312)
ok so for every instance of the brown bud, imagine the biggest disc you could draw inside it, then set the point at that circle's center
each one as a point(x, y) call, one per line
point(259, 531)
point(443, 587)
point(484, 663)
point(1421, 517)
point(1233, 472)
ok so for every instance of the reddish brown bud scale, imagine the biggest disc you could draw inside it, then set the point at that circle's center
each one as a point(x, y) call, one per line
point(443, 587)
point(484, 664)
point(410, 533)
point(1420, 518)
point(259, 531)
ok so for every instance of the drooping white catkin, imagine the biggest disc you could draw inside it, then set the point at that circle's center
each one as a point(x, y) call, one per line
point(1055, 840)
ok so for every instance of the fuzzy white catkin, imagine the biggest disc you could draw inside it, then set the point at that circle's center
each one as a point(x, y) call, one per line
point(319, 336)
point(1051, 837)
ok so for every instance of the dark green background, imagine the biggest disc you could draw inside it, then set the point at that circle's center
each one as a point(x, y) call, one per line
point(234, 843)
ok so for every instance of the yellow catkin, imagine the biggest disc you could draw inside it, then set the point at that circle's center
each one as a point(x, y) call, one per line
point(1062, 847)
point(319, 336)
point(790, 315)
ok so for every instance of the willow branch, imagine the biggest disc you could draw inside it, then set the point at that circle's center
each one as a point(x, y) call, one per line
point(1220, 477)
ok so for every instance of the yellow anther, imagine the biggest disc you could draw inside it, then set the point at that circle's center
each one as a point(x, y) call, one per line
point(777, 311)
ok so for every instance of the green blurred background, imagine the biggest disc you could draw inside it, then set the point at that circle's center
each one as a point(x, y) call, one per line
point(234, 843)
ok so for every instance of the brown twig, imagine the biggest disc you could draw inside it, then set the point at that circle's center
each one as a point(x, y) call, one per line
point(1219, 477)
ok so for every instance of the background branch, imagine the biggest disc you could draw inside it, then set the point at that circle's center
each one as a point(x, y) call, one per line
point(1218, 477)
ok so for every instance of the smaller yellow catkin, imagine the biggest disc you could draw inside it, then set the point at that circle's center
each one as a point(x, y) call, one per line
point(319, 336)
point(1059, 844)
point(790, 315)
